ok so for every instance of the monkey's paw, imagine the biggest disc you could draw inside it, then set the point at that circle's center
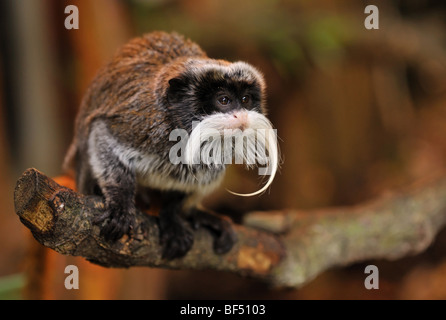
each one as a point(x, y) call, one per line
point(176, 239)
point(115, 222)
point(220, 227)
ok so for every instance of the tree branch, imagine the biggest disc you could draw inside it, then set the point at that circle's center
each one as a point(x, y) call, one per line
point(299, 245)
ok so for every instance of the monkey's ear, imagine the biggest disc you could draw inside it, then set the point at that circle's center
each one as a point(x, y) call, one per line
point(176, 90)
point(176, 82)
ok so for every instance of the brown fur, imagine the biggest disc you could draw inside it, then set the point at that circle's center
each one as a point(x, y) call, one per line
point(130, 76)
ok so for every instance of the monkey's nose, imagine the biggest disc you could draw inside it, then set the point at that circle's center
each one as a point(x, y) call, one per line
point(241, 115)
point(240, 120)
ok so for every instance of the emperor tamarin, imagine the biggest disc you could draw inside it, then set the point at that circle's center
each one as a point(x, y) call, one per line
point(121, 148)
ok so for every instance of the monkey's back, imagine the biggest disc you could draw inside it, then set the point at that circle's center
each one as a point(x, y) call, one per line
point(132, 71)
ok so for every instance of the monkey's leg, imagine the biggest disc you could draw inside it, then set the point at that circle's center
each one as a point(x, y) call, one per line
point(176, 237)
point(220, 227)
point(85, 182)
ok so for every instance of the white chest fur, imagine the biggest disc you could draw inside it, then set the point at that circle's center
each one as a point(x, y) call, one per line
point(151, 170)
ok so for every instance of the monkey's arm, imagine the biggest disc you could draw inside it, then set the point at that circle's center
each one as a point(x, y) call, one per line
point(310, 242)
point(117, 181)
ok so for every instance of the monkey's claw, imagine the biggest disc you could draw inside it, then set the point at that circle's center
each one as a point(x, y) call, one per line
point(220, 227)
point(116, 223)
point(176, 240)
point(225, 240)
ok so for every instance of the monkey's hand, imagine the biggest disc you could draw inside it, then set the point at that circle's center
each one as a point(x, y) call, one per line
point(219, 226)
point(117, 220)
point(176, 237)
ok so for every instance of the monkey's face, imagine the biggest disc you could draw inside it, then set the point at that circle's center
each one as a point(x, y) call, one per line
point(227, 95)
point(208, 87)
point(222, 108)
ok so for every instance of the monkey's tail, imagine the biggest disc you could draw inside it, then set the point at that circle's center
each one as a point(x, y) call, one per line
point(69, 162)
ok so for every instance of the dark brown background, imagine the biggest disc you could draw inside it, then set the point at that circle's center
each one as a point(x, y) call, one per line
point(359, 112)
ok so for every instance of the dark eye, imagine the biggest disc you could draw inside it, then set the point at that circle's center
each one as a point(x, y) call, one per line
point(246, 99)
point(224, 101)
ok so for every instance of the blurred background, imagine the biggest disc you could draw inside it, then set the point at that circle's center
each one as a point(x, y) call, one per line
point(359, 113)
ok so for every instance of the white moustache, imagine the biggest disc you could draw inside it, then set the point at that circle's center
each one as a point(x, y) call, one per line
point(255, 143)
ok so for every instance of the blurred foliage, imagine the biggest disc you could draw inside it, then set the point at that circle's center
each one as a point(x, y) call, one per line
point(11, 287)
point(282, 31)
